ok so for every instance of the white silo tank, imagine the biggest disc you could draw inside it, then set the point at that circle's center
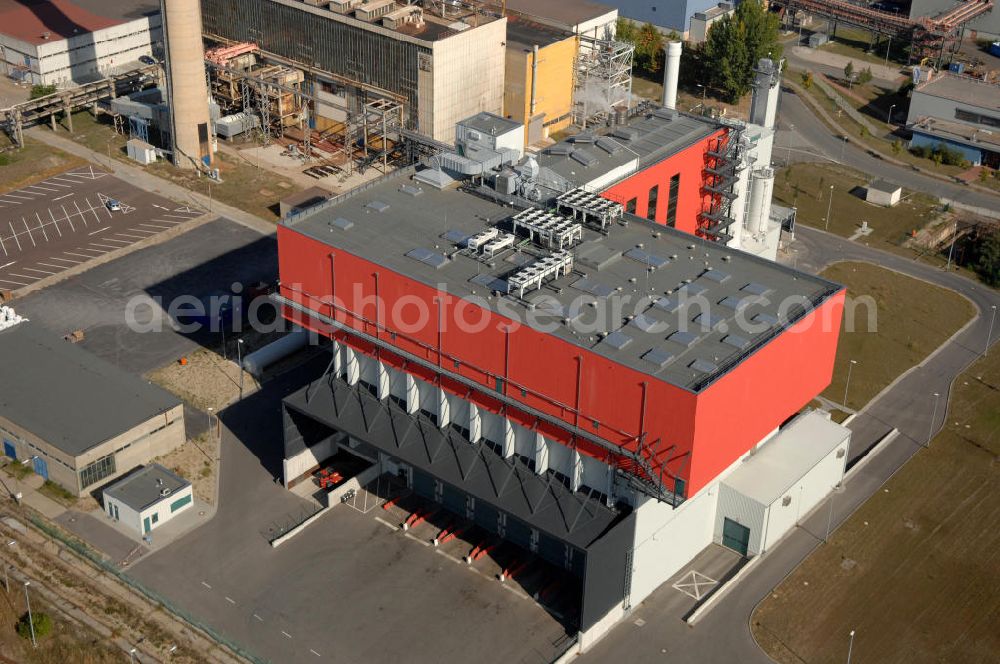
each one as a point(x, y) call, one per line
point(761, 188)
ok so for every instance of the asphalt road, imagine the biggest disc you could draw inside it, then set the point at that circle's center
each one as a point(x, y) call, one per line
point(821, 141)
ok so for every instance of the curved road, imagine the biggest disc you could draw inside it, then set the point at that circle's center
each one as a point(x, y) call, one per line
point(827, 143)
point(723, 634)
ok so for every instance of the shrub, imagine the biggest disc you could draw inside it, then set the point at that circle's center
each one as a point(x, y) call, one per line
point(987, 261)
point(41, 621)
point(807, 79)
point(42, 91)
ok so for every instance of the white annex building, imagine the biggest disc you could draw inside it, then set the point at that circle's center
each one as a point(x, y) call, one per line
point(147, 498)
point(68, 42)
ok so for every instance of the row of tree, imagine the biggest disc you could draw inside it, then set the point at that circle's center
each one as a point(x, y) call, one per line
point(725, 62)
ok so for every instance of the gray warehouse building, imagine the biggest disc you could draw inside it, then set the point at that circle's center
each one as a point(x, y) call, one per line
point(77, 419)
point(961, 112)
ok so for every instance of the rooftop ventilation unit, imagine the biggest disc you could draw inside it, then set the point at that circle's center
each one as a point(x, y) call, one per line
point(626, 133)
point(609, 145)
point(585, 158)
point(560, 150)
point(534, 275)
point(547, 229)
point(427, 257)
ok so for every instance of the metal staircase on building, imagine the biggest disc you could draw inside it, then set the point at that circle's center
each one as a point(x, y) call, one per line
point(723, 162)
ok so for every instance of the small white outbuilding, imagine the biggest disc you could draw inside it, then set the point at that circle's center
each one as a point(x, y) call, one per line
point(881, 192)
point(147, 498)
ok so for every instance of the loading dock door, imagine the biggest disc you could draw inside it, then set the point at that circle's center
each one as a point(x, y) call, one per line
point(735, 536)
point(9, 450)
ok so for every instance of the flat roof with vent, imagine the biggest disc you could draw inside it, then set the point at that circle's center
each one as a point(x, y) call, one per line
point(643, 273)
point(146, 487)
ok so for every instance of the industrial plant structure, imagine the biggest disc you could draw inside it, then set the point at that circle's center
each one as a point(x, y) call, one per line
point(570, 351)
point(191, 142)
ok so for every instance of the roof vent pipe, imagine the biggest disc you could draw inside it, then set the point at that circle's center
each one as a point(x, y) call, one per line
point(671, 72)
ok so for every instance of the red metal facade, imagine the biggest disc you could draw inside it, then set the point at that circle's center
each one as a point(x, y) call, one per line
point(692, 436)
point(690, 165)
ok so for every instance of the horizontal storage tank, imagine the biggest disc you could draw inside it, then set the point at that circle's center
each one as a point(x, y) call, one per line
point(236, 124)
point(262, 358)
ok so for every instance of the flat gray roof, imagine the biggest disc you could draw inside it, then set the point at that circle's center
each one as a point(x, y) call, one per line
point(884, 186)
point(687, 294)
point(781, 462)
point(490, 123)
point(963, 89)
point(525, 34)
point(569, 13)
point(648, 138)
point(146, 486)
point(68, 397)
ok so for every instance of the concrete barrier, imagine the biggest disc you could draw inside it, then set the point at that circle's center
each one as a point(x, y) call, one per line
point(875, 449)
point(333, 499)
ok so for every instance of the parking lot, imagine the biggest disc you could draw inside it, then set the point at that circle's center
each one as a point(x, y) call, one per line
point(74, 217)
point(353, 586)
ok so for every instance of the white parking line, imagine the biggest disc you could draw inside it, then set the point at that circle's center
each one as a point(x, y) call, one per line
point(121, 242)
point(42, 226)
point(7, 264)
point(80, 212)
point(104, 246)
point(258, 618)
point(72, 228)
point(54, 267)
point(36, 186)
point(29, 197)
point(101, 230)
point(70, 253)
point(161, 207)
point(206, 585)
point(30, 236)
point(62, 260)
point(55, 184)
point(181, 217)
point(231, 601)
point(315, 653)
point(287, 635)
point(11, 202)
point(59, 198)
point(54, 222)
point(23, 276)
point(35, 269)
point(3, 246)
point(14, 235)
point(61, 180)
point(8, 281)
point(134, 237)
point(157, 227)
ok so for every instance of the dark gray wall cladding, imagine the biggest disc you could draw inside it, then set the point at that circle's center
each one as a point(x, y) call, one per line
point(317, 41)
point(604, 579)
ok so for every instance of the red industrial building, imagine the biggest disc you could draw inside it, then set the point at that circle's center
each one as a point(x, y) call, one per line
point(575, 378)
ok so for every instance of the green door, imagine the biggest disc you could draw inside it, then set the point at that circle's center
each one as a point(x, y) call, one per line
point(735, 536)
point(145, 524)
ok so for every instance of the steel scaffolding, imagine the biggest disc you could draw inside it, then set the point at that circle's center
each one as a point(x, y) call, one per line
point(603, 78)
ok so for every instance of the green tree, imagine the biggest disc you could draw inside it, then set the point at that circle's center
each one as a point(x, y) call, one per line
point(807, 79)
point(849, 70)
point(735, 45)
point(984, 174)
point(648, 42)
point(897, 147)
point(42, 91)
point(987, 263)
point(41, 621)
point(865, 76)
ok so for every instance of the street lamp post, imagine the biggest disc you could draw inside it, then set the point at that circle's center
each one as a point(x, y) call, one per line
point(843, 147)
point(930, 429)
point(239, 363)
point(788, 155)
point(989, 335)
point(31, 621)
point(131, 655)
point(887, 46)
point(889, 119)
point(847, 386)
point(6, 570)
point(210, 411)
point(850, 647)
point(951, 250)
point(829, 209)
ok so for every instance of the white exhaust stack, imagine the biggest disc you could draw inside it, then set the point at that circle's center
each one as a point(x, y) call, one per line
point(190, 129)
point(671, 72)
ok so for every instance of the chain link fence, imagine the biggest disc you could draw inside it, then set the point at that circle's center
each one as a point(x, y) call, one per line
point(95, 558)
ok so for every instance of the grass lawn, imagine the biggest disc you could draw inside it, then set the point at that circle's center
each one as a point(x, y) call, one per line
point(36, 161)
point(243, 186)
point(913, 319)
point(807, 187)
point(914, 570)
point(58, 494)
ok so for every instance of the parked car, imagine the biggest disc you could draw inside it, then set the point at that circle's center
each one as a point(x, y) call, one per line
point(147, 60)
point(114, 204)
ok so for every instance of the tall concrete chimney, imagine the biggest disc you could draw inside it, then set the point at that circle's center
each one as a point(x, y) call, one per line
point(671, 72)
point(766, 92)
point(190, 129)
